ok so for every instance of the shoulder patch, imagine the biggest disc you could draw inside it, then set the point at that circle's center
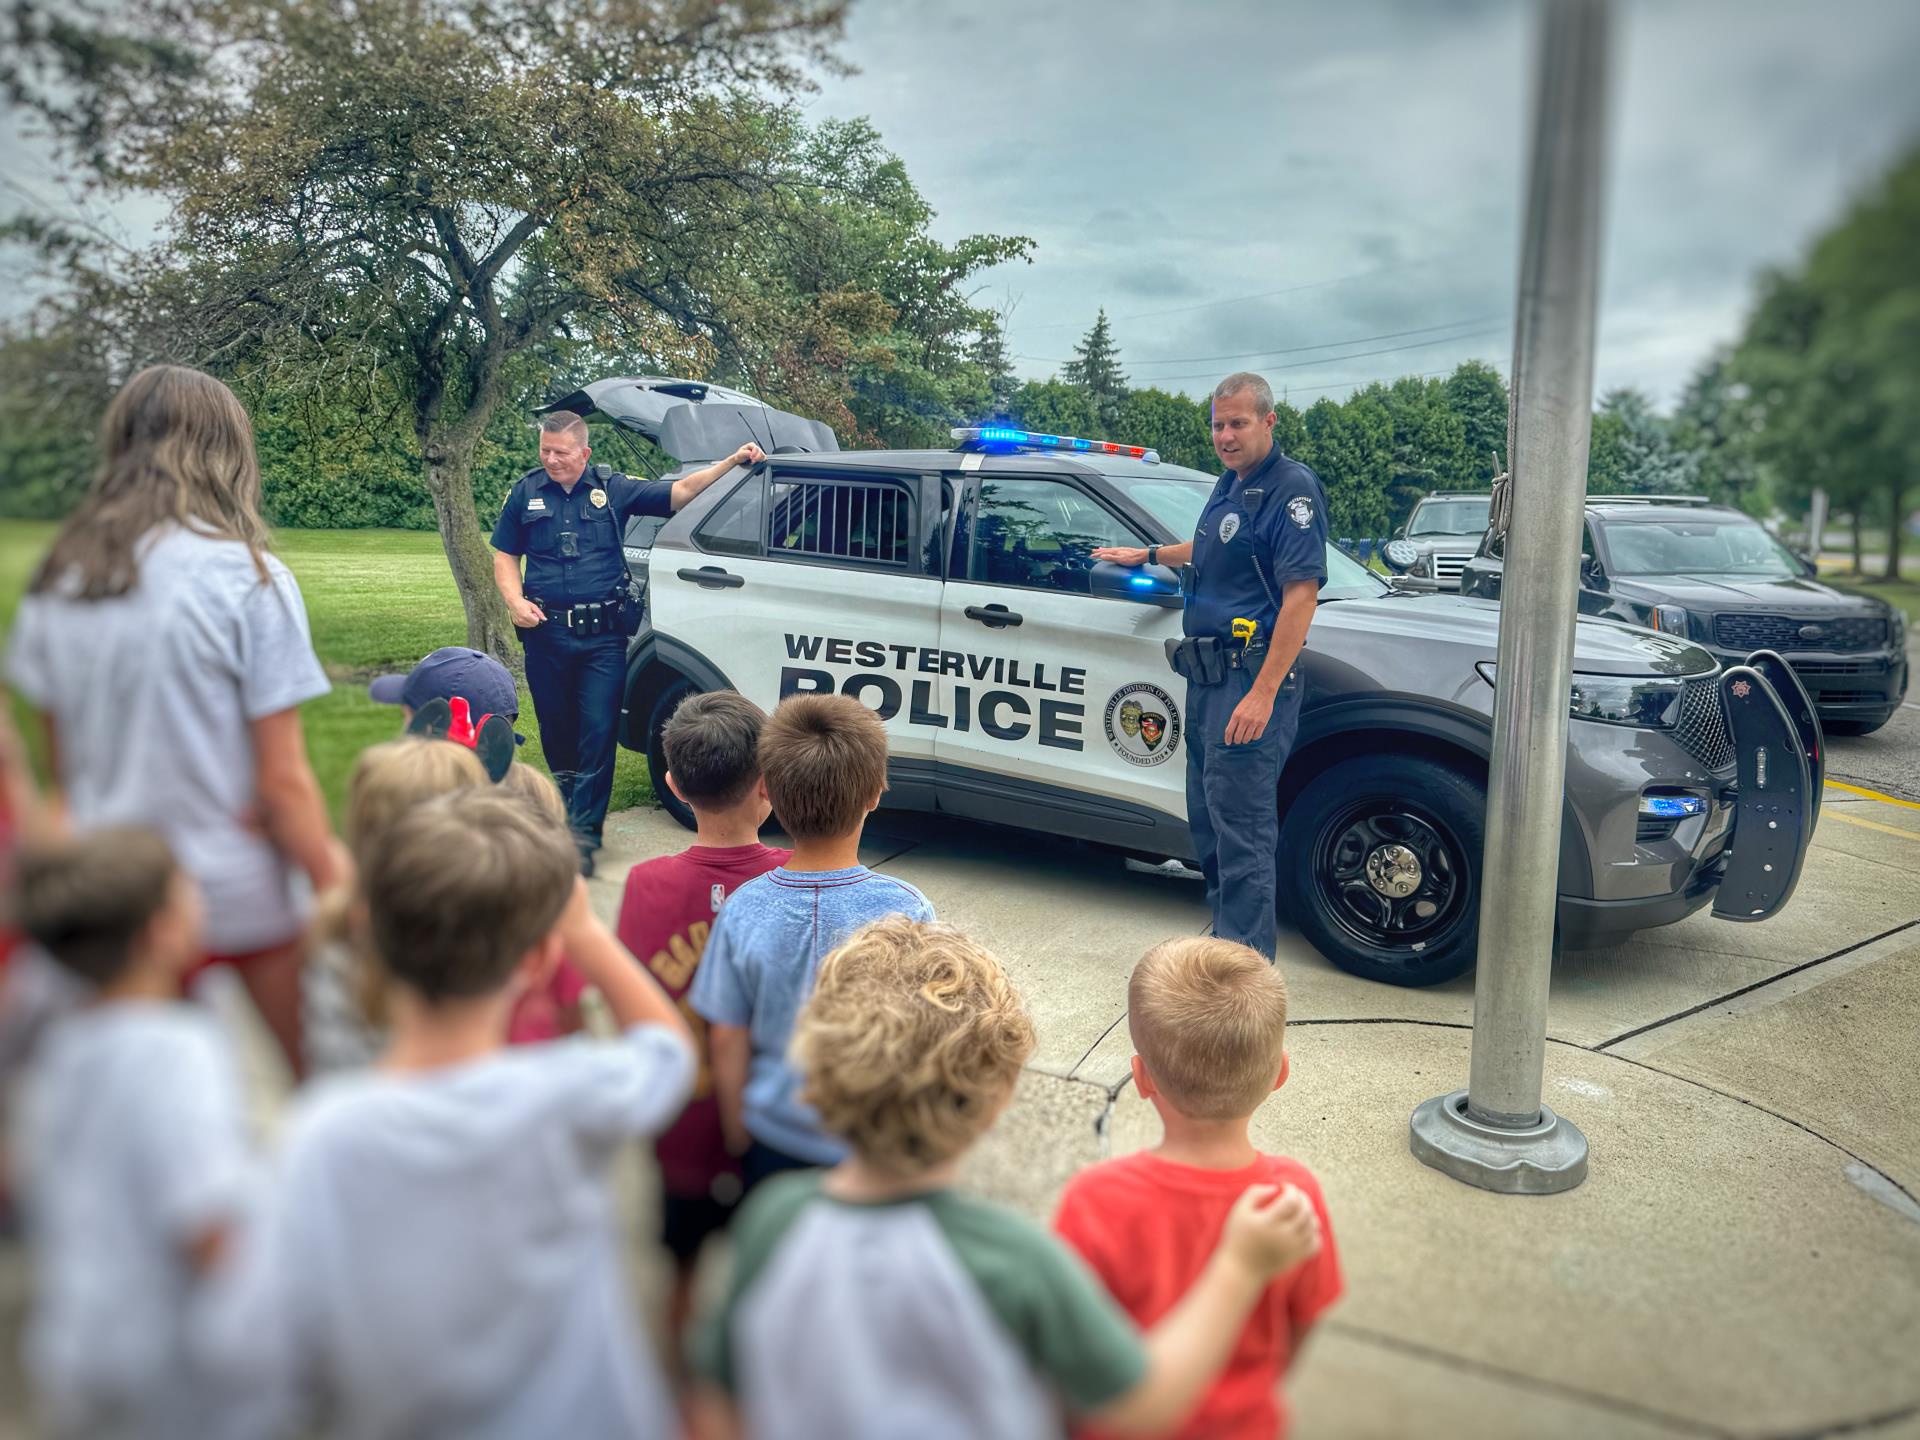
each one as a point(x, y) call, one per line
point(1300, 511)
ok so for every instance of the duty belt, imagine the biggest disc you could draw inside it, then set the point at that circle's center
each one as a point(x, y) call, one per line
point(598, 617)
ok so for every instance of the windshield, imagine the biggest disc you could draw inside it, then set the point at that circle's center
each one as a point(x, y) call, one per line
point(1704, 546)
point(1177, 503)
point(1449, 517)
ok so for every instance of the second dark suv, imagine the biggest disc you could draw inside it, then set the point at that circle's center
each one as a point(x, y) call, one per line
point(1713, 575)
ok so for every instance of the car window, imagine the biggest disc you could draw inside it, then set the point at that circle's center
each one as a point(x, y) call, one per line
point(1040, 534)
point(1704, 546)
point(1348, 579)
point(1449, 517)
point(733, 526)
point(841, 519)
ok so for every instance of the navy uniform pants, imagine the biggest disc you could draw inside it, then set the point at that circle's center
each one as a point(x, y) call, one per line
point(576, 682)
point(1233, 805)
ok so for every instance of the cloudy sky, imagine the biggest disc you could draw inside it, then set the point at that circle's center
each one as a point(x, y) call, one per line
point(1296, 184)
point(1328, 191)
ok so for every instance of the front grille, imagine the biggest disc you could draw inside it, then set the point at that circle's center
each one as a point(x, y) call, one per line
point(1849, 697)
point(1782, 632)
point(1652, 830)
point(1449, 567)
point(1702, 727)
point(1840, 667)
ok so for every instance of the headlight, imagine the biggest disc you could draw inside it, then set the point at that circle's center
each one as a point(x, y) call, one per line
point(1423, 566)
point(1897, 633)
point(1669, 619)
point(1643, 702)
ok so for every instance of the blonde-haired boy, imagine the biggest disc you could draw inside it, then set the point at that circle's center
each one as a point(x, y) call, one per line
point(874, 1298)
point(1208, 1019)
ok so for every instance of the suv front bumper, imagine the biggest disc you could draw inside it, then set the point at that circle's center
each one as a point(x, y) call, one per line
point(1844, 685)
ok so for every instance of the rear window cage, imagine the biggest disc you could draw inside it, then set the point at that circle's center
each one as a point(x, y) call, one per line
point(841, 520)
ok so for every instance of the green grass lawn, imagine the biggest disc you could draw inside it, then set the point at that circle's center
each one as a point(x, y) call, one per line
point(378, 600)
point(1903, 593)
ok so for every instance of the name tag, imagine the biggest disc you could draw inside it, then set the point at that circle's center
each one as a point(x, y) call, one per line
point(536, 504)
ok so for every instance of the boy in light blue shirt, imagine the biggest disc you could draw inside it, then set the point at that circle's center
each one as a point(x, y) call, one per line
point(824, 758)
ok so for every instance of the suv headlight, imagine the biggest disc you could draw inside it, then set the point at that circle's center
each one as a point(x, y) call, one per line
point(1644, 702)
point(1423, 566)
point(1897, 630)
point(1670, 620)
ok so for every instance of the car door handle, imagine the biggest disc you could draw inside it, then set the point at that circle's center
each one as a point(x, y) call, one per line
point(712, 577)
point(995, 617)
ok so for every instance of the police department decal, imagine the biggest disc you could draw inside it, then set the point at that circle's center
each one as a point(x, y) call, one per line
point(1229, 526)
point(1143, 725)
point(1300, 511)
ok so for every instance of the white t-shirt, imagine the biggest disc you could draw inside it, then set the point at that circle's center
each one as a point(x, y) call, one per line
point(133, 1144)
point(152, 694)
point(440, 1255)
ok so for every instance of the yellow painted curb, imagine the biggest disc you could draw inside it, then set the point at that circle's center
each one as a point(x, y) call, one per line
point(1913, 835)
point(1874, 795)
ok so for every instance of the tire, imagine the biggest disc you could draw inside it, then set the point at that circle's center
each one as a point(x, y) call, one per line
point(1854, 727)
point(1356, 810)
point(663, 709)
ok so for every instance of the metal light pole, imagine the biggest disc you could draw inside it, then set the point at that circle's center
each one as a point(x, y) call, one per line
point(1496, 1134)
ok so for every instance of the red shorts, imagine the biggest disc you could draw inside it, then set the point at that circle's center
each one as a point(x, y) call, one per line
point(239, 960)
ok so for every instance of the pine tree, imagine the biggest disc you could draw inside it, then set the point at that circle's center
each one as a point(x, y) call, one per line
point(1095, 369)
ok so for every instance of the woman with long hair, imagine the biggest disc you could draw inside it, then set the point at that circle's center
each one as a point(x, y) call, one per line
point(168, 653)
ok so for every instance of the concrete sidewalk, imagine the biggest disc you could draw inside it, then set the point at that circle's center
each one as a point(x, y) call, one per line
point(1745, 1256)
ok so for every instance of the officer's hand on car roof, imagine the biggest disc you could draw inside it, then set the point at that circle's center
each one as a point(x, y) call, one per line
point(748, 454)
point(1121, 554)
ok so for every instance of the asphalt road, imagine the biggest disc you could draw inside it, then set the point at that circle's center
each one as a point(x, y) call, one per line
point(1889, 759)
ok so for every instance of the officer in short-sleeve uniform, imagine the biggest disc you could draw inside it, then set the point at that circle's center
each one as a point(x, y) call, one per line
point(1256, 536)
point(576, 662)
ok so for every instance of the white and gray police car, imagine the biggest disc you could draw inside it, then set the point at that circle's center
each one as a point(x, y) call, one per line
point(1024, 684)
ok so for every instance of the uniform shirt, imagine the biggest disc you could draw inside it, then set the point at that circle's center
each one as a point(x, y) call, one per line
point(589, 566)
point(934, 1316)
point(758, 971)
point(443, 1255)
point(154, 693)
point(1255, 537)
point(134, 1147)
point(1148, 1227)
point(667, 912)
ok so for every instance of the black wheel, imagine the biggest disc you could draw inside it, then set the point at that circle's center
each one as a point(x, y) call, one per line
point(1854, 727)
point(1379, 866)
point(663, 709)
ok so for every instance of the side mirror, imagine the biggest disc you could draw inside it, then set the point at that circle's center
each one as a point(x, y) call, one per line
point(1144, 584)
point(1590, 571)
point(1400, 555)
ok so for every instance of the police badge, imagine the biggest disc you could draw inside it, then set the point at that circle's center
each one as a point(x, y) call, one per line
point(1229, 526)
point(599, 496)
point(1300, 511)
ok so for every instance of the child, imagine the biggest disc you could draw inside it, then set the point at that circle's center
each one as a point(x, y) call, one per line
point(1208, 1019)
point(875, 1290)
point(134, 1143)
point(669, 906)
point(442, 1257)
point(824, 759)
point(341, 1010)
point(549, 1011)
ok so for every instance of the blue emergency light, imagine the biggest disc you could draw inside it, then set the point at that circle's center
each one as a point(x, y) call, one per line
point(1671, 807)
point(1003, 439)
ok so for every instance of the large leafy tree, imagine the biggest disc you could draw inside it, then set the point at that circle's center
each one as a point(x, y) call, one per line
point(428, 197)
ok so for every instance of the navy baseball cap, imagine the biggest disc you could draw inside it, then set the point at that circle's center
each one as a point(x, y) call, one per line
point(482, 681)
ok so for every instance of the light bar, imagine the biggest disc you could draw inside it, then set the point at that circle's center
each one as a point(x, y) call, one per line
point(1671, 807)
point(1006, 437)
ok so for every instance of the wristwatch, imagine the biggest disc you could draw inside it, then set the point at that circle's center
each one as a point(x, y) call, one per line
point(1153, 554)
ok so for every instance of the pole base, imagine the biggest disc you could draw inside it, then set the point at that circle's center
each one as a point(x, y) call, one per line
point(1540, 1159)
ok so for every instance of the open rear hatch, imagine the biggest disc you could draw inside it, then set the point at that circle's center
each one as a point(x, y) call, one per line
point(696, 422)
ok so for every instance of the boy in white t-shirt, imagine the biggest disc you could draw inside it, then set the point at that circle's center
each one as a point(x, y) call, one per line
point(133, 1143)
point(441, 1255)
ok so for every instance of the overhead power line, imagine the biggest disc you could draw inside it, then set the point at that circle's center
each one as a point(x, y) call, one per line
point(1288, 350)
point(1337, 359)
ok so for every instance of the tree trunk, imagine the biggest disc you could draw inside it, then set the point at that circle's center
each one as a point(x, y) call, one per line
point(449, 475)
point(1859, 558)
point(1896, 522)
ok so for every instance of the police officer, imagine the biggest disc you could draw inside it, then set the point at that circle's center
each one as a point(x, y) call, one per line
point(1256, 562)
point(572, 611)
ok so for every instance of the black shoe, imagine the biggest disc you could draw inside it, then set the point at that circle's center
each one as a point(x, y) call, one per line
point(586, 863)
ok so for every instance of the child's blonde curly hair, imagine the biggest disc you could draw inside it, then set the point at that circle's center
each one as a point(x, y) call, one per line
point(911, 1044)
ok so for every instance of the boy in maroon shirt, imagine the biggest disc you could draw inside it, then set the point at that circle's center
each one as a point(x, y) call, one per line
point(1208, 1019)
point(711, 744)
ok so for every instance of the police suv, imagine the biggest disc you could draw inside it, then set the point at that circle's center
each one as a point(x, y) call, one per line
point(1023, 683)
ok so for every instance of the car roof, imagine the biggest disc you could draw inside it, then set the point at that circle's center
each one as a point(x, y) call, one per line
point(1648, 509)
point(1458, 495)
point(1018, 462)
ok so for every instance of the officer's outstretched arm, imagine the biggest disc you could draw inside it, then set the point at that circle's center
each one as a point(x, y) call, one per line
point(688, 486)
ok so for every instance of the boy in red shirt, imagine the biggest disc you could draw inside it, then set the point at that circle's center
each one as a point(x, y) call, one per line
point(1208, 1019)
point(712, 744)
